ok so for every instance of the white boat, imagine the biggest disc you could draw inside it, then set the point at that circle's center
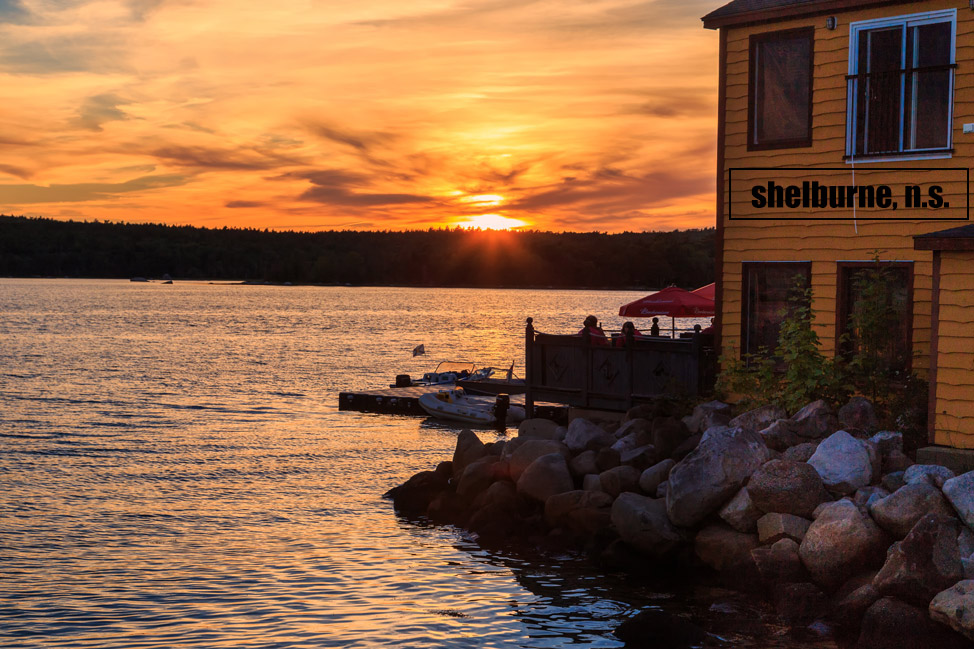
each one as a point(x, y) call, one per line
point(446, 372)
point(455, 405)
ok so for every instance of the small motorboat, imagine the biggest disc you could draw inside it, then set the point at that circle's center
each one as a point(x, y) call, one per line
point(456, 405)
point(483, 381)
point(446, 372)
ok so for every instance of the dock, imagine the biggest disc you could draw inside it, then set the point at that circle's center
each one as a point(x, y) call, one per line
point(405, 401)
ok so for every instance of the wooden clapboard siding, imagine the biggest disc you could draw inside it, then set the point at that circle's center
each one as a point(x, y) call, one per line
point(823, 243)
point(954, 409)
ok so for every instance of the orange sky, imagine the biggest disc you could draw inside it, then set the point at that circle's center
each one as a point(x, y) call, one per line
point(377, 114)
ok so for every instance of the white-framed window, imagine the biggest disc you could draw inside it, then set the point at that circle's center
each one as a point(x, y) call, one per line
point(900, 85)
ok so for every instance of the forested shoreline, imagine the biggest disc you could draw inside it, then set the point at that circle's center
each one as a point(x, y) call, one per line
point(43, 247)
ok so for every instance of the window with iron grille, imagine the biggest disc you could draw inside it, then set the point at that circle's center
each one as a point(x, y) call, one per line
point(900, 85)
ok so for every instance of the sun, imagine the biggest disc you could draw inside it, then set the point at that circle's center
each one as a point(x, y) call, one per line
point(492, 222)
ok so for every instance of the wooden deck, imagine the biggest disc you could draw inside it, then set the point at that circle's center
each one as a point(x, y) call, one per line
point(405, 401)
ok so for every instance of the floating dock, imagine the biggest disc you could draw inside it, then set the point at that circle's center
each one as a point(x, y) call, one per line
point(405, 401)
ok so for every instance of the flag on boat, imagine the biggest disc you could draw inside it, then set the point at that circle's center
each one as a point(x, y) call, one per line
point(419, 350)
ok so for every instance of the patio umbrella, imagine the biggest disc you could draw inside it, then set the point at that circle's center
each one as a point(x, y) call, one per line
point(674, 302)
point(706, 291)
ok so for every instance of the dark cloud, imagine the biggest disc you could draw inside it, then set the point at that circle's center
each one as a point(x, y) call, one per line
point(244, 204)
point(15, 13)
point(361, 141)
point(97, 53)
point(26, 194)
point(339, 187)
point(19, 172)
point(203, 157)
point(675, 106)
point(99, 109)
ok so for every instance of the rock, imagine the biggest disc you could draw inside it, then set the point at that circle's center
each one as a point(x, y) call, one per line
point(712, 473)
point(591, 482)
point(965, 542)
point(723, 548)
point(843, 462)
point(584, 464)
point(638, 425)
point(887, 441)
point(787, 487)
point(640, 457)
point(479, 475)
point(546, 476)
point(867, 496)
point(538, 428)
point(899, 512)
point(930, 473)
point(414, 496)
point(892, 624)
point(632, 440)
point(780, 435)
point(954, 607)
point(620, 479)
point(529, 451)
point(668, 434)
point(839, 542)
point(892, 481)
point(858, 413)
point(582, 513)
point(705, 415)
point(583, 435)
point(758, 418)
point(493, 522)
point(896, 462)
point(654, 628)
point(815, 420)
point(662, 489)
point(685, 447)
point(651, 478)
point(799, 603)
point(779, 562)
point(960, 492)
point(606, 458)
point(801, 452)
point(924, 563)
point(774, 527)
point(850, 607)
point(501, 493)
point(469, 448)
point(642, 523)
point(740, 512)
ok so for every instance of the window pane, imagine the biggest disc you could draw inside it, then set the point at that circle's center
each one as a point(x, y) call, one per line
point(768, 287)
point(893, 296)
point(884, 55)
point(783, 87)
point(931, 88)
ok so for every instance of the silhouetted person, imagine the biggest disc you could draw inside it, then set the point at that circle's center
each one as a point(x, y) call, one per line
point(654, 330)
point(595, 333)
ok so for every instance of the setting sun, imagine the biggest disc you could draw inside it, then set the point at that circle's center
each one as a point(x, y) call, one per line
point(484, 200)
point(492, 222)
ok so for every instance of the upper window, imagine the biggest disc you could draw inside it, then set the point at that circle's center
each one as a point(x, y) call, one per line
point(780, 90)
point(768, 286)
point(900, 83)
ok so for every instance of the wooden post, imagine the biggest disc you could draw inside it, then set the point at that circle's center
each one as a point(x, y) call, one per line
point(528, 369)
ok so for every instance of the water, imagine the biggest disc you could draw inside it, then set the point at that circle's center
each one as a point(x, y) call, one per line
point(174, 472)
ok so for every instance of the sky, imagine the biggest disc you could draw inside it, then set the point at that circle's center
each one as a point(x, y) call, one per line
point(569, 115)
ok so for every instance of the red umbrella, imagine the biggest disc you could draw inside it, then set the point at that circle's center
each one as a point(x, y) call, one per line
point(706, 291)
point(674, 302)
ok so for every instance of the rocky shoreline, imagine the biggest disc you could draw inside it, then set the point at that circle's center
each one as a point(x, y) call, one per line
point(826, 518)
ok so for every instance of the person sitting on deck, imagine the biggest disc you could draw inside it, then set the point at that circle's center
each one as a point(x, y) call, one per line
point(628, 329)
point(710, 329)
point(654, 330)
point(594, 331)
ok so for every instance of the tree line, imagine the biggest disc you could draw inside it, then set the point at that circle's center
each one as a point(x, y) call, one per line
point(43, 247)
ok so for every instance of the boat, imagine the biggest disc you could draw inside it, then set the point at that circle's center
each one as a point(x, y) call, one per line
point(456, 405)
point(483, 381)
point(447, 372)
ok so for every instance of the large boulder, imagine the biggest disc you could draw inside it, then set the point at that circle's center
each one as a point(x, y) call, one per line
point(582, 513)
point(781, 435)
point(898, 512)
point(546, 476)
point(479, 475)
point(774, 527)
point(954, 607)
point(787, 487)
point(469, 448)
point(933, 474)
point(840, 542)
point(858, 414)
point(740, 512)
point(722, 548)
point(643, 428)
point(655, 475)
point(926, 562)
point(887, 441)
point(759, 418)
point(815, 420)
point(583, 435)
point(843, 462)
point(642, 523)
point(706, 415)
point(620, 479)
point(584, 463)
point(414, 496)
point(799, 603)
point(538, 428)
point(960, 492)
point(529, 451)
point(779, 562)
point(892, 624)
point(712, 473)
point(668, 434)
point(800, 452)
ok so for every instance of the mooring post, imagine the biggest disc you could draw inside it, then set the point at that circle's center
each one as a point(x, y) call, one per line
point(528, 369)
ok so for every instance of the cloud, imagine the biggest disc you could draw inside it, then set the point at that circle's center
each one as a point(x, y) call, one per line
point(210, 158)
point(237, 204)
point(78, 192)
point(97, 53)
point(99, 109)
point(335, 187)
point(14, 12)
point(362, 141)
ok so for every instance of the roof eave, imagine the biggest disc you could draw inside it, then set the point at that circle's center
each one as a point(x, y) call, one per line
point(791, 11)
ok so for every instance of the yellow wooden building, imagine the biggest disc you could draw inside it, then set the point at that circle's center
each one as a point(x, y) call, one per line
point(846, 132)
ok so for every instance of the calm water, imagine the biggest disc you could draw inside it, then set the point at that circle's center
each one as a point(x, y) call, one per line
point(174, 472)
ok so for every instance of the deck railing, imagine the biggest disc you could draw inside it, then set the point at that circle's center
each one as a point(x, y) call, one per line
point(571, 369)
